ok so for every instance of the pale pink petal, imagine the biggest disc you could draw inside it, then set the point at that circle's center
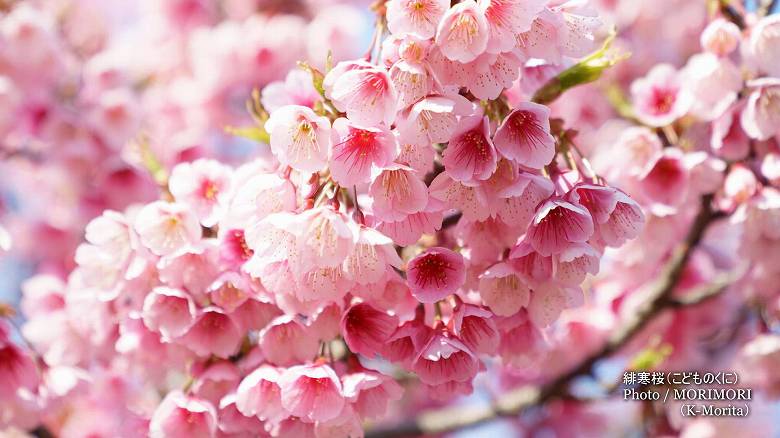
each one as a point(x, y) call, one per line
point(503, 290)
point(397, 192)
point(168, 311)
point(366, 95)
point(524, 136)
point(312, 392)
point(463, 32)
point(213, 332)
point(286, 342)
point(299, 137)
point(358, 150)
point(573, 264)
point(259, 394)
point(415, 16)
point(182, 416)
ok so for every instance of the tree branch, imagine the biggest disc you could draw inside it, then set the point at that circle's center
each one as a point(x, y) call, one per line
point(513, 403)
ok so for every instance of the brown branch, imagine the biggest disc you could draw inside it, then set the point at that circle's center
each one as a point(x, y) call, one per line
point(518, 400)
point(732, 14)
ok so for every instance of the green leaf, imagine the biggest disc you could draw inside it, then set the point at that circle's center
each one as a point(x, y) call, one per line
point(587, 70)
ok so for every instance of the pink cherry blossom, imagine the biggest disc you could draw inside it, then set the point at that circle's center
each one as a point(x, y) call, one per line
point(524, 136)
point(366, 95)
point(259, 394)
point(760, 118)
point(285, 342)
point(406, 342)
point(372, 256)
point(444, 359)
point(312, 392)
point(358, 150)
point(476, 328)
point(180, 415)
point(17, 368)
point(616, 216)
point(720, 37)
point(366, 329)
point(728, 139)
point(433, 119)
point(470, 154)
point(213, 332)
point(507, 19)
point(549, 300)
point(503, 290)
point(203, 186)
point(325, 238)
point(296, 89)
point(659, 98)
point(471, 201)
point(463, 32)
point(165, 227)
point(666, 183)
point(573, 264)
point(493, 73)
point(168, 311)
point(558, 225)
point(419, 17)
point(411, 80)
point(408, 230)
point(713, 83)
point(435, 273)
point(398, 192)
point(370, 392)
point(763, 44)
point(299, 137)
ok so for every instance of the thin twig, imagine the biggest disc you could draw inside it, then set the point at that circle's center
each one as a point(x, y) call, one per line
point(518, 400)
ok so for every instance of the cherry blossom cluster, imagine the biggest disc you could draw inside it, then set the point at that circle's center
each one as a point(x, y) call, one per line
point(694, 122)
point(409, 219)
point(85, 83)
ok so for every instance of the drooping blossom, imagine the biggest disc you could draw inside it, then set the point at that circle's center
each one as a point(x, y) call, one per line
point(171, 312)
point(358, 150)
point(435, 273)
point(470, 155)
point(418, 17)
point(259, 394)
point(761, 118)
point(299, 137)
point(463, 32)
point(763, 43)
point(180, 415)
point(366, 329)
point(370, 392)
point(558, 225)
point(445, 359)
point(366, 95)
point(503, 290)
point(524, 136)
point(507, 19)
point(312, 392)
point(720, 37)
point(665, 184)
point(398, 192)
point(213, 332)
point(476, 328)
